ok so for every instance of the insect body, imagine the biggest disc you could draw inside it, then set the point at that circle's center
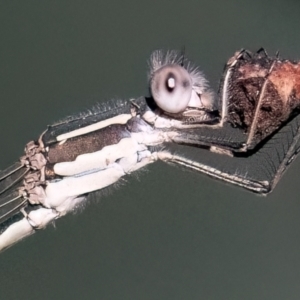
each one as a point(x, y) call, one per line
point(254, 125)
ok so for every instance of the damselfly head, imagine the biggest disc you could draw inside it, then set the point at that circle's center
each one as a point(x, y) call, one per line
point(176, 84)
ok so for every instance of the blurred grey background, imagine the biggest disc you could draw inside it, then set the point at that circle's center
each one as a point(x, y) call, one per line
point(165, 233)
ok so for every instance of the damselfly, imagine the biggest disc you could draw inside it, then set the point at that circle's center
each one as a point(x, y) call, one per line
point(250, 129)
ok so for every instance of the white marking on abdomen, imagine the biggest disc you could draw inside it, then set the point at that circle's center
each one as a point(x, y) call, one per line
point(120, 119)
point(61, 194)
point(99, 159)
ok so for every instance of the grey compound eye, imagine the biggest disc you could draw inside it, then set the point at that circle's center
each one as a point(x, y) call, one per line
point(171, 88)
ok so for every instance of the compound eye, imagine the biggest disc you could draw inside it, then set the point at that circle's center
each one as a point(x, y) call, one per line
point(171, 88)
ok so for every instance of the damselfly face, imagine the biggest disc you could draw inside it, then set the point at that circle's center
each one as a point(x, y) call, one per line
point(251, 129)
point(258, 106)
point(253, 121)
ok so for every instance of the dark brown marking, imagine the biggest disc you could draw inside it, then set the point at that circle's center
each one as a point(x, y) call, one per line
point(87, 143)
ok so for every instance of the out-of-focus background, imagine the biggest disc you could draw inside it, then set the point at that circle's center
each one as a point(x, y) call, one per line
point(166, 233)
